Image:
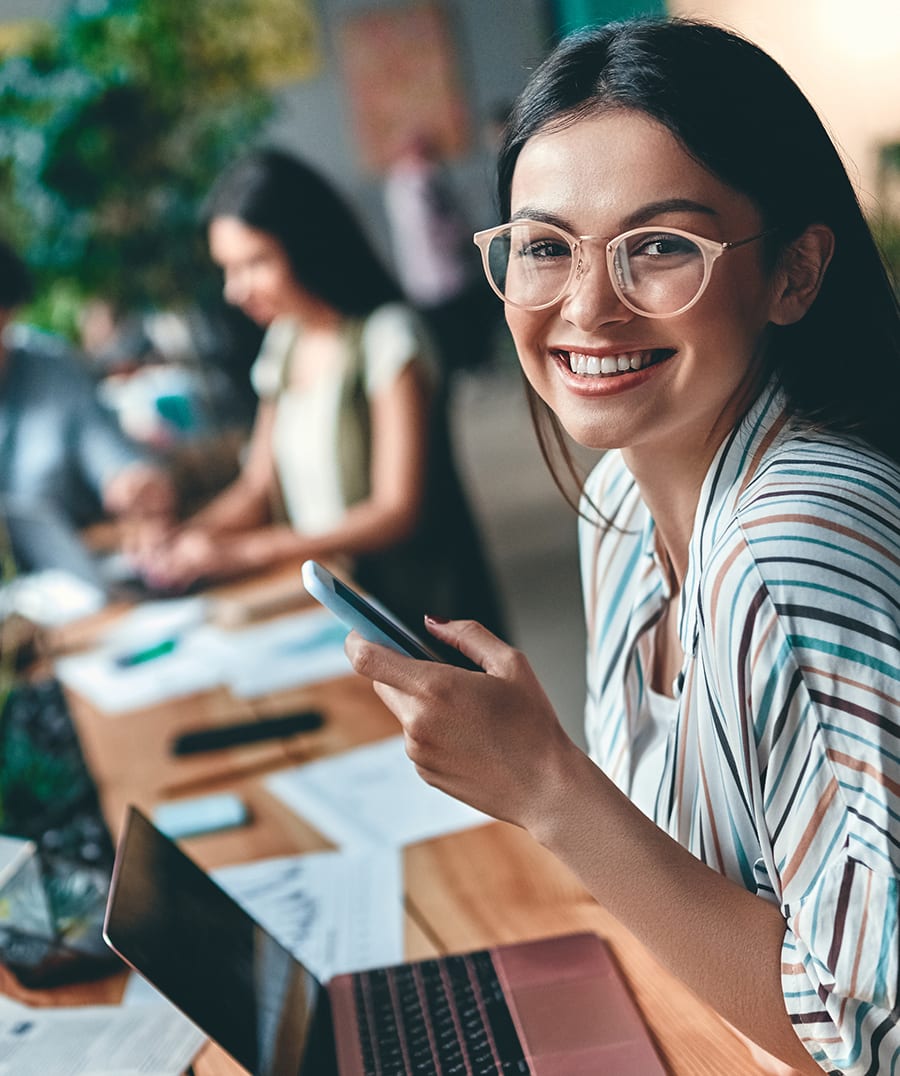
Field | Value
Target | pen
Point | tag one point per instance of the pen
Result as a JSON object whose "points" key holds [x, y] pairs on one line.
{"points": [[138, 657]]}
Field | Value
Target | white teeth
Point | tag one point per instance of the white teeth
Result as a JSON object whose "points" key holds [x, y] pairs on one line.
{"points": [[592, 365]]}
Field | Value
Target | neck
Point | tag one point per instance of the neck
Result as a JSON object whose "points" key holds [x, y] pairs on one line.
{"points": [[670, 484], [671, 497], [670, 476]]}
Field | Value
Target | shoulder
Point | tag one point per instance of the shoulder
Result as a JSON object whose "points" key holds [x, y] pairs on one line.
{"points": [[42, 363], [395, 326], [821, 499], [393, 336], [808, 568]]}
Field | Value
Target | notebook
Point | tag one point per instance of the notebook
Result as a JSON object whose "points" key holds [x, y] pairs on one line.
{"points": [[549, 1007]]}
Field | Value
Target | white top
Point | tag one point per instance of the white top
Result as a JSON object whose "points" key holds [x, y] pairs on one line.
{"points": [[650, 749], [306, 420]]}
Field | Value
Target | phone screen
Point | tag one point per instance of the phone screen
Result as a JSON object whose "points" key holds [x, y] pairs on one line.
{"points": [[402, 638], [374, 621]]}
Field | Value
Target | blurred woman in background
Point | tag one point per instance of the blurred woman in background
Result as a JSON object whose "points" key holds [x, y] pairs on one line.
{"points": [[349, 455]]}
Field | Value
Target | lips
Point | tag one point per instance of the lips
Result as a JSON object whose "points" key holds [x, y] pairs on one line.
{"points": [[612, 365]]}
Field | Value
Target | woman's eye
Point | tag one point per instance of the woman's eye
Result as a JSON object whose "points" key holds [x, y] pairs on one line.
{"points": [[662, 245], [545, 248]]}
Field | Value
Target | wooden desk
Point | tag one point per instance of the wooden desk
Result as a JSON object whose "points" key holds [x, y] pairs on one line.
{"points": [[465, 891]]}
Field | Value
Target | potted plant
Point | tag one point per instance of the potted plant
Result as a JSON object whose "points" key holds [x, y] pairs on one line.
{"points": [[117, 118], [55, 851]]}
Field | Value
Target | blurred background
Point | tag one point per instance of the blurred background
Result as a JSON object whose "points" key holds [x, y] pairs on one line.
{"points": [[116, 116]]}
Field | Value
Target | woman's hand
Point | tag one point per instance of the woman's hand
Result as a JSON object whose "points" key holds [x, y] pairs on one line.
{"points": [[184, 558], [490, 739]]}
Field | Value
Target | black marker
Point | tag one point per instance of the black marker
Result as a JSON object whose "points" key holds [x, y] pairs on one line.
{"points": [[267, 728]]}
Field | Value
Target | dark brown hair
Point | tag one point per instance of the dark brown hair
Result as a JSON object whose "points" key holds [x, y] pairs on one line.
{"points": [[738, 113]]}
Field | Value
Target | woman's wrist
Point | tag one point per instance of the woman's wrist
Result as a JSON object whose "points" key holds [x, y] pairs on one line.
{"points": [[565, 780]]}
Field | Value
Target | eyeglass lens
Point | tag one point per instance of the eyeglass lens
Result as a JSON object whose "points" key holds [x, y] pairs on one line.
{"points": [[658, 272]]}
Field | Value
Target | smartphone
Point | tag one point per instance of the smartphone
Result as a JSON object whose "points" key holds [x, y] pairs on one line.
{"points": [[373, 622]]}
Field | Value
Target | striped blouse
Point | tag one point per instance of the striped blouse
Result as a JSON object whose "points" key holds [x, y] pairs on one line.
{"points": [[782, 761]]}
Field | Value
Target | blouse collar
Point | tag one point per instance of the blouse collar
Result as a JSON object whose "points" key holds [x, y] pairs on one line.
{"points": [[729, 474]]}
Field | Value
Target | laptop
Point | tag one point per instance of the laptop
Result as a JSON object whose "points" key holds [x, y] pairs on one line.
{"points": [[42, 538], [549, 1007]]}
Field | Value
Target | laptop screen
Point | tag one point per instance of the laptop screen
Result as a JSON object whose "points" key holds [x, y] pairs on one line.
{"points": [[199, 948], [42, 538]]}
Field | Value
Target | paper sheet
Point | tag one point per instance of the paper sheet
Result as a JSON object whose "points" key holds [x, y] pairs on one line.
{"points": [[50, 598], [285, 653], [95, 1040], [336, 911], [194, 665], [371, 796]]}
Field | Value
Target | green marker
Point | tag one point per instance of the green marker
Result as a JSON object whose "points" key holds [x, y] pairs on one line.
{"points": [[138, 657]]}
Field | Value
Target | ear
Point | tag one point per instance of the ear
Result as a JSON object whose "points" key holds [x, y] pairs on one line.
{"points": [[800, 273]]}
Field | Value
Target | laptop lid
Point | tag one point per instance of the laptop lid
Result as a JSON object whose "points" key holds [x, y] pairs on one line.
{"points": [[174, 925]]}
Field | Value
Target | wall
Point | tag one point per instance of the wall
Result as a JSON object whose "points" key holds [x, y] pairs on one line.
{"points": [[499, 42], [845, 57]]}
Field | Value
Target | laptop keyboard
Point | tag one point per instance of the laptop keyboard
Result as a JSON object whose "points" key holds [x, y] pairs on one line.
{"points": [[444, 1017]]}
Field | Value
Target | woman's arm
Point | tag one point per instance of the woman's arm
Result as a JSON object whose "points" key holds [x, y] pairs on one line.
{"points": [[226, 538], [211, 542], [494, 741]]}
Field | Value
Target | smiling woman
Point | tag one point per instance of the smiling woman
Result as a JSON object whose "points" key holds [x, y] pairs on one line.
{"points": [[691, 286]]}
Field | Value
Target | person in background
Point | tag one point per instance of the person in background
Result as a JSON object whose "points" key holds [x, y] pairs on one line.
{"points": [[435, 262], [691, 285], [59, 448], [345, 436]]}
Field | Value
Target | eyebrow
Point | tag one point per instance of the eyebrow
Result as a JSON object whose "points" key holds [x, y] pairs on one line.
{"points": [[639, 216]]}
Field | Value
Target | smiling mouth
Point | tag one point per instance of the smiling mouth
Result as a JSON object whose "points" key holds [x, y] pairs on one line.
{"points": [[613, 365]]}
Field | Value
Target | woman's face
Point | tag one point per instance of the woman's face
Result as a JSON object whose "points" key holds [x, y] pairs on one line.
{"points": [[601, 176], [258, 275]]}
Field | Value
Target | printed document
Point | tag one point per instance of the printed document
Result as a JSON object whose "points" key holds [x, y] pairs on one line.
{"points": [[335, 911], [371, 796], [95, 1040]]}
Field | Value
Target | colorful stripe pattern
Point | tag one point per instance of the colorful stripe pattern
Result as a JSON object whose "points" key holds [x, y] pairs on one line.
{"points": [[782, 767]]}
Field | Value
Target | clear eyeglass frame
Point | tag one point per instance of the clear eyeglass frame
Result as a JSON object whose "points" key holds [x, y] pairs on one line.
{"points": [[710, 249]]}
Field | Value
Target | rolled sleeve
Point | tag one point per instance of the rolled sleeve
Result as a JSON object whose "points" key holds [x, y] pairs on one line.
{"points": [[830, 794], [840, 964]]}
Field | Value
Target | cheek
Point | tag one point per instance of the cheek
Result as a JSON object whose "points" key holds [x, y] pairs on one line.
{"points": [[524, 328]]}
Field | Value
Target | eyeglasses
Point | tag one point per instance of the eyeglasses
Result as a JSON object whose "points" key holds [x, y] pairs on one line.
{"points": [[656, 272]]}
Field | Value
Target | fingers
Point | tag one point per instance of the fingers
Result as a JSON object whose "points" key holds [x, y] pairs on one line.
{"points": [[477, 643], [386, 666]]}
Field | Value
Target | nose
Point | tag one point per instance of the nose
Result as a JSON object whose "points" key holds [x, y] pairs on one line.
{"points": [[590, 300]]}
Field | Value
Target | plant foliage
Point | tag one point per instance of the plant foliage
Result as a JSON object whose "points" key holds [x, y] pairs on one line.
{"points": [[115, 121]]}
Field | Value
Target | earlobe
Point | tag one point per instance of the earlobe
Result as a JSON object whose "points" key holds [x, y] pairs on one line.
{"points": [[800, 275]]}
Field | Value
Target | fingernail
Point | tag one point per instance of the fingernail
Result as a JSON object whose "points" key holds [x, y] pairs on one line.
{"points": [[436, 619]]}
